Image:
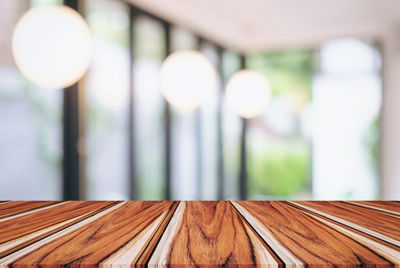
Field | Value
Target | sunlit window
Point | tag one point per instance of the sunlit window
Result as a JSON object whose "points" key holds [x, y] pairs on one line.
{"points": [[31, 125], [149, 108], [346, 105], [107, 85], [317, 138], [279, 148]]}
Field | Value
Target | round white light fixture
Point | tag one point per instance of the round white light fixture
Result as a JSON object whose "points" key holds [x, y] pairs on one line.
{"points": [[187, 78], [248, 93], [335, 60], [52, 46]]}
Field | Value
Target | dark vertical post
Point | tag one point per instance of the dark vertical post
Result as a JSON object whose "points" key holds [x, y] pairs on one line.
{"points": [[133, 193], [73, 172], [199, 143], [71, 159], [220, 144], [167, 124], [243, 149]]}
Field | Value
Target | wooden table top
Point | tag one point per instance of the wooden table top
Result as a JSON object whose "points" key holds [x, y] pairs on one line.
{"points": [[275, 233]]}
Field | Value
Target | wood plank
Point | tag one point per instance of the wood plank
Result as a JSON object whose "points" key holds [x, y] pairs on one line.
{"points": [[210, 233], [386, 250], [148, 251], [371, 222], [295, 236], [8, 260], [16, 207], [110, 237], [199, 233], [16, 233], [21, 226], [36, 210], [391, 207]]}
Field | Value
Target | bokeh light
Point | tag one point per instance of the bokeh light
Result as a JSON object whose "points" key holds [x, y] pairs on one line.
{"points": [[187, 79], [248, 93], [52, 46]]}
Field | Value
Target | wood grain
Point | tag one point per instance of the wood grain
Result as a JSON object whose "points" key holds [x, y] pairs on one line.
{"points": [[26, 224], [386, 250], [17, 232], [211, 233], [392, 208], [96, 242], [304, 238], [372, 222], [199, 233], [8, 209]]}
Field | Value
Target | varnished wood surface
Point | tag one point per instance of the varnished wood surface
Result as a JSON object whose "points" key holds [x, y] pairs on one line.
{"points": [[199, 233]]}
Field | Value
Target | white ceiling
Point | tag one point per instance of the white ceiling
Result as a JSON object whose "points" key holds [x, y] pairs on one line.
{"points": [[252, 25]]}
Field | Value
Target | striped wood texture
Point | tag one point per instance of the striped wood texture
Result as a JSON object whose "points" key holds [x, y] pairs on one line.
{"points": [[199, 233]]}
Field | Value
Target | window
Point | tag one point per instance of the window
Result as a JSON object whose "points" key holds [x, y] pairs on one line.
{"points": [[279, 143], [149, 108], [31, 124], [107, 85], [346, 105]]}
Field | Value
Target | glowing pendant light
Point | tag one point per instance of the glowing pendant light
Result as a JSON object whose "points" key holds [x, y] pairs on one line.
{"points": [[187, 79], [248, 93], [52, 46]]}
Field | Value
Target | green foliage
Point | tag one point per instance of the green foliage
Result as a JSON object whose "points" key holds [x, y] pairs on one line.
{"points": [[101, 26], [371, 141], [282, 170], [230, 64], [47, 118], [281, 167], [108, 20], [36, 3], [149, 39], [100, 118], [286, 71]]}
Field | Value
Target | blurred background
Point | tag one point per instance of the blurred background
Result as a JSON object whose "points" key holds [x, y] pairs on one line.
{"points": [[330, 130]]}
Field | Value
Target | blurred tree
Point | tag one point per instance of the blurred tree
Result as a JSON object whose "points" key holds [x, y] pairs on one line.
{"points": [[282, 171], [280, 160], [285, 70], [371, 142]]}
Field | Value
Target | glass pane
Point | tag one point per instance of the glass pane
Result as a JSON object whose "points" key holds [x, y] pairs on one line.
{"points": [[149, 108], [231, 125], [107, 85], [184, 154], [30, 124], [208, 134], [346, 104], [279, 147]]}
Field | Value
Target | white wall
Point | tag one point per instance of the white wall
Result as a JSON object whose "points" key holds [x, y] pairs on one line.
{"points": [[390, 137]]}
